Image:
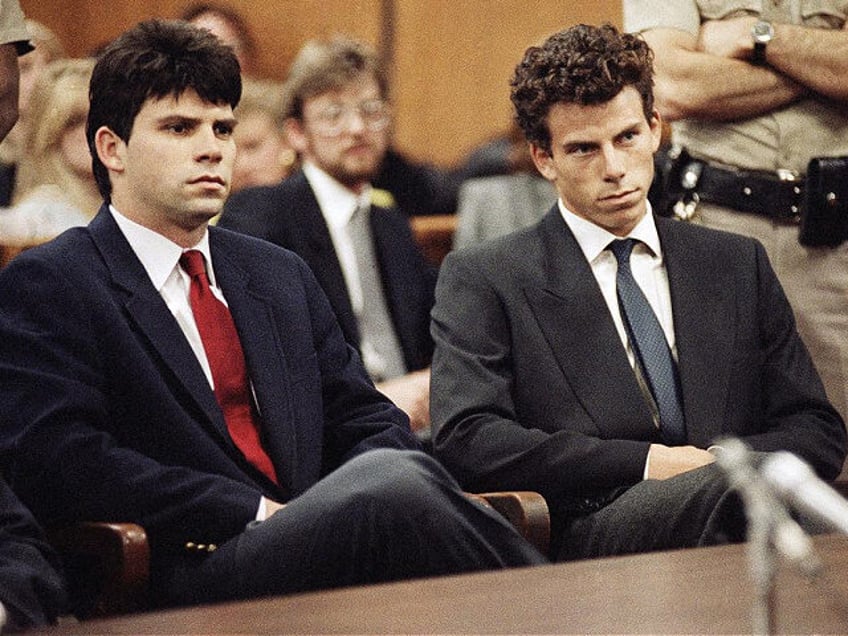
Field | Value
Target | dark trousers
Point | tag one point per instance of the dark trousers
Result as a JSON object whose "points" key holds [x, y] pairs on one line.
{"points": [[695, 508], [385, 515]]}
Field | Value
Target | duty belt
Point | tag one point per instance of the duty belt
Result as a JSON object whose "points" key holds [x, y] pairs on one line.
{"points": [[777, 195]]}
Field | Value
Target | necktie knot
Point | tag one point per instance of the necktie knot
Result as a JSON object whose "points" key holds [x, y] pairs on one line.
{"points": [[622, 248], [193, 263]]}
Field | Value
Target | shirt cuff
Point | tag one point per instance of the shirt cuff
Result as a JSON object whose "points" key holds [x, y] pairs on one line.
{"points": [[262, 513]]}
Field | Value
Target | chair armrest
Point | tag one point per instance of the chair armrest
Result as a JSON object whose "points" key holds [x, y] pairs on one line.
{"points": [[526, 511], [107, 565], [434, 235]]}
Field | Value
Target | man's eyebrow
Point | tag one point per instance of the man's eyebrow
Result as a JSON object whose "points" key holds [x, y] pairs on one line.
{"points": [[576, 143], [190, 119], [170, 118]]}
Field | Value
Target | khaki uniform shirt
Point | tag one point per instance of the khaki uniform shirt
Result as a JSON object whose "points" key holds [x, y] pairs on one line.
{"points": [[12, 26], [785, 138]]}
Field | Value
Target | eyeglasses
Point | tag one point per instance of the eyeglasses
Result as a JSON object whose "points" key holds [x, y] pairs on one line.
{"points": [[334, 119]]}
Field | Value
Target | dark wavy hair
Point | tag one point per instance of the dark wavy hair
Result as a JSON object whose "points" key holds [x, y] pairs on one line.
{"points": [[155, 59], [582, 65]]}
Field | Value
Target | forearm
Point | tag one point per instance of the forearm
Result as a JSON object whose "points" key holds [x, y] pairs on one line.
{"points": [[692, 84], [411, 394], [816, 58]]}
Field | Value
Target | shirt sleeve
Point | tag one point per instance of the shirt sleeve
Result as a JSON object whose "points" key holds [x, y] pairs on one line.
{"points": [[641, 15]]}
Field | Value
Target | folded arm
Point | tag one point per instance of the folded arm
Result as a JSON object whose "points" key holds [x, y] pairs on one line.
{"points": [[814, 58], [693, 83]]}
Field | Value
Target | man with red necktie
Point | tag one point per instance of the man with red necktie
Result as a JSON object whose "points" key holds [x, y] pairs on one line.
{"points": [[196, 381]]}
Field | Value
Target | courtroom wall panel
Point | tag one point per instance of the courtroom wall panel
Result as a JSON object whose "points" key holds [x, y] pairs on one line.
{"points": [[454, 59], [451, 59]]}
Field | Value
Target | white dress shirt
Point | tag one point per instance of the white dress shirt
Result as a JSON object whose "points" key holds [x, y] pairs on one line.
{"points": [[646, 263], [338, 204], [648, 267], [161, 260]]}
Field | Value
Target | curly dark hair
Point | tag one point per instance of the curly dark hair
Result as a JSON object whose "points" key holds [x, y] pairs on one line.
{"points": [[584, 65]]}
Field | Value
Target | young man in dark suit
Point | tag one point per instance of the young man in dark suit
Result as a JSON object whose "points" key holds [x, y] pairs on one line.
{"points": [[195, 380], [358, 244], [547, 376]]}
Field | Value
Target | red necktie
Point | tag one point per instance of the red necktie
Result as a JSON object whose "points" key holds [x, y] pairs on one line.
{"points": [[226, 360]]}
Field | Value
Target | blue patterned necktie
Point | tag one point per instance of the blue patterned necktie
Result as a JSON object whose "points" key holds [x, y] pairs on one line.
{"points": [[650, 346]]}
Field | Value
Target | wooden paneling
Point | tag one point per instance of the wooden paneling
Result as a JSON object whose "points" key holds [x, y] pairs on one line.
{"points": [[452, 58], [279, 26]]}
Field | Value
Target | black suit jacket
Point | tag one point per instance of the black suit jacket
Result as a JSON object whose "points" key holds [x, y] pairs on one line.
{"points": [[32, 590], [531, 388], [288, 215], [109, 416]]}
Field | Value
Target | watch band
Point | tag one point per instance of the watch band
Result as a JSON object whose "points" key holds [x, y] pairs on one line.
{"points": [[759, 55], [761, 33]]}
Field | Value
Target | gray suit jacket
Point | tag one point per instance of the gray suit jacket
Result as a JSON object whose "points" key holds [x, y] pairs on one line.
{"points": [[532, 389], [490, 207]]}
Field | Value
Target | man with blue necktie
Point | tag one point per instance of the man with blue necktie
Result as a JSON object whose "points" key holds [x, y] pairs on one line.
{"points": [[597, 356]]}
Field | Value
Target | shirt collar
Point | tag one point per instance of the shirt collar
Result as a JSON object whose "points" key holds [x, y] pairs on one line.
{"points": [[337, 202], [158, 255], [593, 239]]}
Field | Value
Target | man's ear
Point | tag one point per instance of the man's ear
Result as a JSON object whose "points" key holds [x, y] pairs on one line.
{"points": [[111, 149], [296, 135], [543, 161], [656, 124]]}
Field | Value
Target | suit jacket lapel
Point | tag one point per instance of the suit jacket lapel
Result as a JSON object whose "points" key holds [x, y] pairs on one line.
{"points": [[702, 303], [257, 328], [154, 320], [576, 323]]}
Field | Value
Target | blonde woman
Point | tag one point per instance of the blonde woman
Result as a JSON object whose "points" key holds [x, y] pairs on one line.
{"points": [[55, 187]]}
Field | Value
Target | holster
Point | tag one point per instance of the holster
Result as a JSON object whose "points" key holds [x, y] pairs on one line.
{"points": [[824, 217]]}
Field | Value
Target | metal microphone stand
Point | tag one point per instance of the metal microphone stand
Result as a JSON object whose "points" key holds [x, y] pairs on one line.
{"points": [[771, 531]]}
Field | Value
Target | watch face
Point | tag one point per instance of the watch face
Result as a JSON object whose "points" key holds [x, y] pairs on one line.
{"points": [[762, 32]]}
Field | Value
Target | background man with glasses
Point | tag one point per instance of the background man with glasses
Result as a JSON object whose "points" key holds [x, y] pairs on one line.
{"points": [[363, 254]]}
